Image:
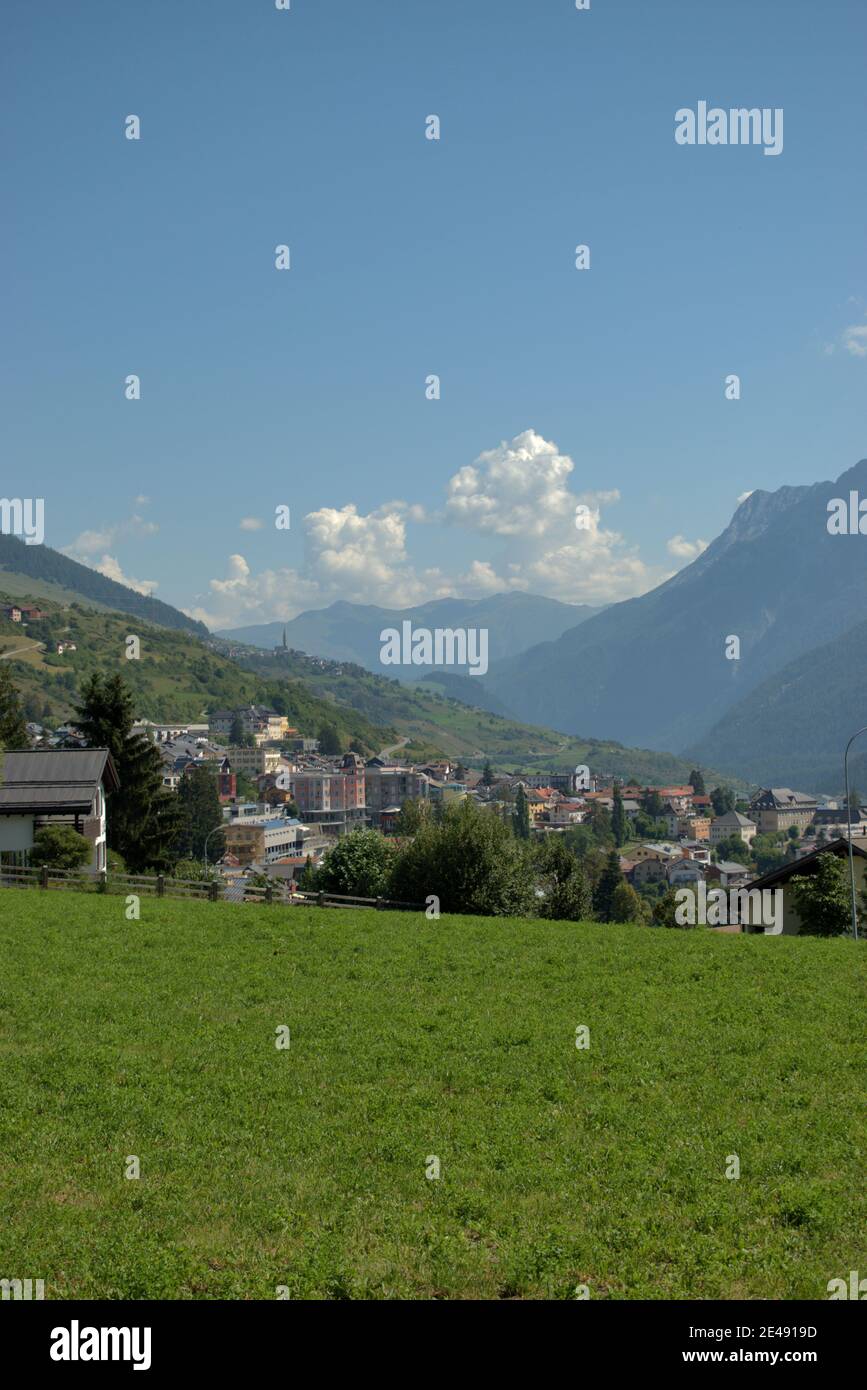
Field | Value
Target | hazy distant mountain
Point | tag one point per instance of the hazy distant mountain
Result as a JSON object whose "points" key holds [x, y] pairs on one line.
{"points": [[792, 729], [350, 631], [653, 670], [49, 566]]}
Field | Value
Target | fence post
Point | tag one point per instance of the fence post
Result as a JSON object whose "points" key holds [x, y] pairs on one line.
{"points": [[269, 891], [161, 886], [212, 891], [43, 876], [379, 903], [320, 900]]}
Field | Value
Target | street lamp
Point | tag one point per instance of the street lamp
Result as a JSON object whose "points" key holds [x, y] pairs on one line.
{"points": [[207, 838], [849, 824]]}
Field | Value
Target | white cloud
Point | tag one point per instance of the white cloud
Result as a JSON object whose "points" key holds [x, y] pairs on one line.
{"points": [[109, 566], [682, 549], [251, 523], [744, 495], [516, 497], [855, 339], [90, 543]]}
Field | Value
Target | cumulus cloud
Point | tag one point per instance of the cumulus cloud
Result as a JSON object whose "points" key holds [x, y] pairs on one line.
{"points": [[90, 543], [251, 523], [855, 339], [109, 566], [522, 493], [518, 500], [682, 549], [350, 555]]}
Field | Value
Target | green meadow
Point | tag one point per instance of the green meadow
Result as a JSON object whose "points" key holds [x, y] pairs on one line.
{"points": [[305, 1168]]}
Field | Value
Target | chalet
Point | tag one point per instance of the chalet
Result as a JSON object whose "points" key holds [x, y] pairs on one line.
{"points": [[780, 879], [43, 787]]}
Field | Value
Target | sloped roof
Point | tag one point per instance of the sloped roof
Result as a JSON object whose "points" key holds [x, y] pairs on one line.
{"points": [[54, 779], [807, 863]]}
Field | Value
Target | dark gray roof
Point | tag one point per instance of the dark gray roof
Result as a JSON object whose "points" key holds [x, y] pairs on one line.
{"points": [[54, 779]]}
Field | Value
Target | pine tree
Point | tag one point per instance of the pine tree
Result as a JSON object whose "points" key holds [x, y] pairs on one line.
{"points": [[521, 815], [199, 805], [329, 740], [13, 733], [696, 781], [603, 897], [618, 817], [143, 816], [487, 774]]}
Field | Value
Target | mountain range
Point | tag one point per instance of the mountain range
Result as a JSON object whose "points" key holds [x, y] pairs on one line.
{"points": [[351, 631], [752, 659], [655, 670], [40, 571]]}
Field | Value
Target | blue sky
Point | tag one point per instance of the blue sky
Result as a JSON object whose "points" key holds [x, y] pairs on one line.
{"points": [[412, 257]]}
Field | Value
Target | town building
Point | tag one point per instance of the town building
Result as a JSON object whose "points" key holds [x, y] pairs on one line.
{"points": [[780, 808], [43, 787], [780, 879], [391, 786], [253, 840], [332, 798], [732, 823]]}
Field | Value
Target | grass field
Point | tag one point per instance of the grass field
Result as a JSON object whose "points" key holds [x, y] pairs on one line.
{"points": [[306, 1167]]}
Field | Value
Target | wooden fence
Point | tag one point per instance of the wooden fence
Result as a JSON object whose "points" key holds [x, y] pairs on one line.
{"points": [[205, 890]]}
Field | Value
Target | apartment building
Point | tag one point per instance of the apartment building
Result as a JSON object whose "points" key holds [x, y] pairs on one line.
{"points": [[332, 798], [392, 786], [263, 841], [254, 761], [779, 808]]}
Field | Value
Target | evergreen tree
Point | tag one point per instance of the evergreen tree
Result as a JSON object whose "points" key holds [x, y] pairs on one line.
{"points": [[618, 817], [603, 897], [13, 734], [627, 905], [142, 815], [696, 781], [653, 805], [329, 740], [236, 732], [521, 815], [567, 892], [199, 806], [487, 774], [722, 800], [664, 909]]}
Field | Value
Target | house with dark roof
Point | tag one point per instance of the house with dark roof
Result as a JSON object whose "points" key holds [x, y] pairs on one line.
{"points": [[780, 879], [55, 786], [779, 808]]}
